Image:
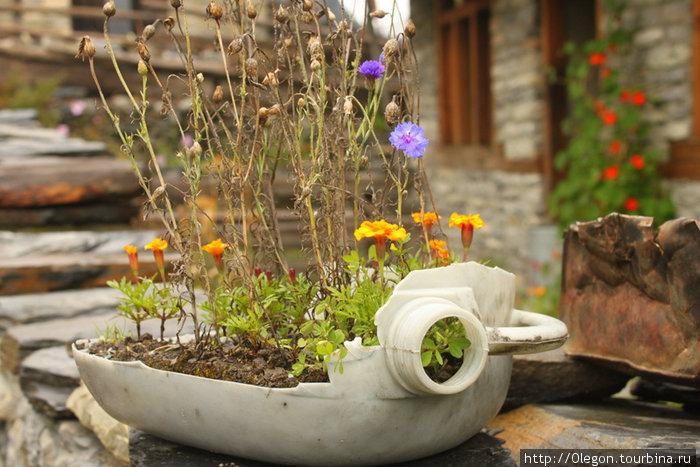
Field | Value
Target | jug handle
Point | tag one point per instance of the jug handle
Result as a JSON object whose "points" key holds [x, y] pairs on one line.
{"points": [[530, 333]]}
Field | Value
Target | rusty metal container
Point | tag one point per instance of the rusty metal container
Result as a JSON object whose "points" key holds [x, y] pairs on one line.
{"points": [[631, 295]]}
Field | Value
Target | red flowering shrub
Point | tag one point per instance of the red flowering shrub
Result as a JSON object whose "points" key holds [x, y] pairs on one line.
{"points": [[607, 165]]}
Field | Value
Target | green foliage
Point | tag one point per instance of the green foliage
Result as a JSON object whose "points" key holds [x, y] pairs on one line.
{"points": [[444, 337], [18, 91], [608, 164]]}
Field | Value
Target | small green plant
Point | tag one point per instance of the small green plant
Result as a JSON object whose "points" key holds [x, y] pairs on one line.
{"points": [[444, 337], [607, 164]]}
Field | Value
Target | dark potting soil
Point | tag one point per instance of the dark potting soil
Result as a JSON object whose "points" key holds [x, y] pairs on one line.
{"points": [[239, 362]]}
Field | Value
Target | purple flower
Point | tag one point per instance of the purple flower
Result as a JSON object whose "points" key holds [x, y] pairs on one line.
{"points": [[409, 137], [371, 69]]}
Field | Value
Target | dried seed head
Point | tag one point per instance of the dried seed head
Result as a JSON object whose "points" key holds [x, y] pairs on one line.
{"points": [[306, 5], [301, 102], [143, 51], [307, 17], [251, 67], [331, 16], [392, 112], [200, 78], [263, 113], [215, 11], [250, 10], [175, 3], [274, 110], [347, 106], [142, 68], [218, 94], [391, 49], [364, 162], [169, 23], [378, 14], [315, 65], [271, 80], [235, 46], [410, 29], [282, 14], [86, 49], [195, 150], [288, 42], [148, 32], [109, 9], [315, 48]]}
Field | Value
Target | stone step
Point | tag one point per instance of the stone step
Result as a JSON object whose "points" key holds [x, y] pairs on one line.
{"points": [[18, 115], [607, 424], [50, 181], [50, 261]]}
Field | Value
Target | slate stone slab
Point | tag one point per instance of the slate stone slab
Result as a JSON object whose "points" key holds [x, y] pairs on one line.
{"points": [[119, 211], [146, 450], [608, 424], [553, 376], [17, 115], [663, 391], [47, 378]]}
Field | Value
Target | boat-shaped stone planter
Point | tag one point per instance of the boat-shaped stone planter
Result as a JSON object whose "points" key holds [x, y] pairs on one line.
{"points": [[382, 408]]}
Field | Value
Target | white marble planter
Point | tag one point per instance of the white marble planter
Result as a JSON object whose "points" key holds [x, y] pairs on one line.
{"points": [[383, 407]]}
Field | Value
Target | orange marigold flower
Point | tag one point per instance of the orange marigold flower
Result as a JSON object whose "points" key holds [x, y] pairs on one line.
{"points": [[597, 58], [133, 253], [611, 173], [460, 220], [637, 161], [615, 147], [631, 204], [609, 117], [157, 244], [638, 98], [444, 254], [625, 96], [428, 218], [380, 228], [216, 247], [437, 244]]}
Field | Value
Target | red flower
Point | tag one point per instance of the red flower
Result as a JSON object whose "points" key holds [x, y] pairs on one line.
{"points": [[611, 173], [637, 162], [609, 117], [597, 58], [625, 96], [615, 147], [631, 204], [605, 73], [599, 107], [638, 98]]}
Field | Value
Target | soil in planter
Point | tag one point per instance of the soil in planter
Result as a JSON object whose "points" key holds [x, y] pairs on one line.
{"points": [[231, 362]]}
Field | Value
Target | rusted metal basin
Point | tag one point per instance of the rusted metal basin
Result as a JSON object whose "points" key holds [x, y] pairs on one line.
{"points": [[631, 295]]}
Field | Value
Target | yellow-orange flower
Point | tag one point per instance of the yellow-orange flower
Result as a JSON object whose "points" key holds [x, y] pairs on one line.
{"points": [[216, 247], [444, 254], [380, 228], [428, 218], [157, 244], [133, 253], [131, 249], [437, 244], [461, 220]]}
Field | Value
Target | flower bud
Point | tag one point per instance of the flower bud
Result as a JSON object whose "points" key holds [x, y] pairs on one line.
{"points": [[109, 9], [392, 112], [143, 51], [251, 67], [142, 68], [347, 106], [176, 3], [250, 10], [148, 32], [215, 11], [235, 46], [378, 14], [391, 49], [282, 15], [410, 29], [86, 49], [218, 94], [307, 17], [315, 65]]}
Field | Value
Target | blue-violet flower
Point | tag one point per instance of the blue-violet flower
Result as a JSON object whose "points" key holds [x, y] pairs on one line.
{"points": [[372, 69], [409, 137]]}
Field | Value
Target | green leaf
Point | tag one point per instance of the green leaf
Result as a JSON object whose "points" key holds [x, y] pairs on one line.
{"points": [[428, 343], [438, 357], [426, 357], [324, 348]]}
